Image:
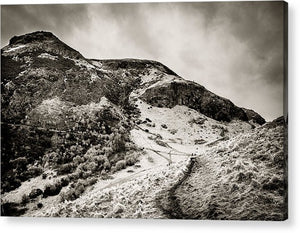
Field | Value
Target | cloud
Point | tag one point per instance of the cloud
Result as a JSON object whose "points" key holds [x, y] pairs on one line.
{"points": [[233, 49], [21, 19]]}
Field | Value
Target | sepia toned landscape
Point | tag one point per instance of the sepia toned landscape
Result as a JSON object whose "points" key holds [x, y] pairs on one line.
{"points": [[130, 138]]}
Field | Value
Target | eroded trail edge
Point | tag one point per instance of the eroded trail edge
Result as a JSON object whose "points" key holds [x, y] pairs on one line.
{"points": [[168, 201]]}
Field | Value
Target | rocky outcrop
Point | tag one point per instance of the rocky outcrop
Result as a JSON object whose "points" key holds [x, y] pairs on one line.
{"points": [[46, 41], [134, 64], [193, 96], [254, 116]]}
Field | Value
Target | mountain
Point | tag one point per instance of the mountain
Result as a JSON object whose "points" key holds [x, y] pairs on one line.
{"points": [[40, 66], [74, 129]]}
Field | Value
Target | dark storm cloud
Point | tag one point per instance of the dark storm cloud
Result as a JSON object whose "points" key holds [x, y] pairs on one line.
{"points": [[260, 26], [233, 49]]}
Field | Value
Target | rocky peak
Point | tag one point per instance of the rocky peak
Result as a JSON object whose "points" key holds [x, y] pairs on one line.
{"points": [[41, 40], [38, 36]]}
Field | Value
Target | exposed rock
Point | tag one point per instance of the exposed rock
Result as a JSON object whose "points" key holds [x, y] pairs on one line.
{"points": [[252, 115], [193, 96], [46, 41]]}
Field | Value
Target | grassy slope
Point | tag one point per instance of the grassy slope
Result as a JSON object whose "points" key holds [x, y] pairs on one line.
{"points": [[243, 178]]}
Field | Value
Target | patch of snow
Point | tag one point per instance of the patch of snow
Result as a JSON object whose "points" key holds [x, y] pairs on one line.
{"points": [[47, 56], [82, 63], [14, 48], [97, 64], [94, 77]]}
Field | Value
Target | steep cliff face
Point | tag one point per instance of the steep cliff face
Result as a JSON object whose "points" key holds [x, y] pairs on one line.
{"points": [[196, 97]]}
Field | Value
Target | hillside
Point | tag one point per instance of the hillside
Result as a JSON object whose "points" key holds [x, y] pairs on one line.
{"points": [[79, 131]]}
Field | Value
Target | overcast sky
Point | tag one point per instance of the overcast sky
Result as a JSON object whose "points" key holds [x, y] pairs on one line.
{"points": [[233, 49]]}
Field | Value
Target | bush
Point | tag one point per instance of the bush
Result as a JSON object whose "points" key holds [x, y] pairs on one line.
{"points": [[12, 209], [35, 193], [164, 126], [173, 131], [131, 159], [92, 181], [120, 165], [65, 181], [34, 171], [65, 169], [25, 199], [79, 189], [52, 190], [76, 191]]}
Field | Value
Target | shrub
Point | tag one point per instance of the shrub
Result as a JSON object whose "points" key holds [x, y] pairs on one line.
{"points": [[173, 131], [65, 169], [79, 189], [35, 193], [65, 196], [12, 209], [164, 126], [25, 199], [65, 181], [91, 166], [92, 181], [130, 159], [76, 191], [120, 165], [34, 171], [52, 190], [106, 165], [77, 160]]}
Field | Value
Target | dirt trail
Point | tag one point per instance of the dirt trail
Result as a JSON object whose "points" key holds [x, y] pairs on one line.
{"points": [[176, 202], [173, 209]]}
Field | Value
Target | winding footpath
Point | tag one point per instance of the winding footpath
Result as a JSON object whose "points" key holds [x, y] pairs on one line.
{"points": [[187, 198], [173, 210]]}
